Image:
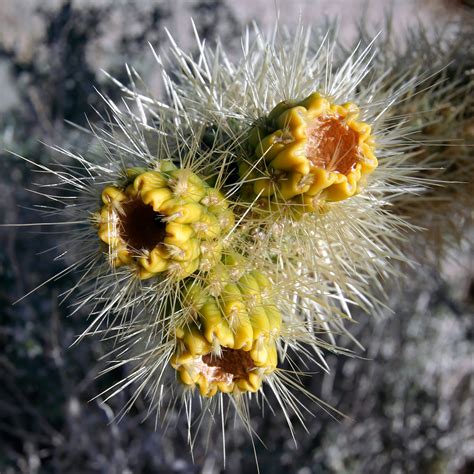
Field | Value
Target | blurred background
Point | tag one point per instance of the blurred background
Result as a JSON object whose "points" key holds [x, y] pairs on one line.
{"points": [[408, 396]]}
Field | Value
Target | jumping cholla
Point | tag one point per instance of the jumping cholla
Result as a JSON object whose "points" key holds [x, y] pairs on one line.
{"points": [[226, 251]]}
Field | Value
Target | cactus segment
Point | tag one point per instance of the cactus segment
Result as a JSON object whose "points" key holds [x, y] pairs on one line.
{"points": [[167, 222]]}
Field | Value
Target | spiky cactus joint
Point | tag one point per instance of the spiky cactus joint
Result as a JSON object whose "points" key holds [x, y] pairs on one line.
{"points": [[164, 221], [309, 151], [231, 342]]}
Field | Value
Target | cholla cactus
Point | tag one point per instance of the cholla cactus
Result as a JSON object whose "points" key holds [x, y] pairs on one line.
{"points": [[223, 234], [310, 246]]}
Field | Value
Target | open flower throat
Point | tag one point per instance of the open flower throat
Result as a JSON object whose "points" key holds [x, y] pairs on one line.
{"points": [[140, 226], [230, 344], [309, 151], [332, 145], [167, 221], [230, 366]]}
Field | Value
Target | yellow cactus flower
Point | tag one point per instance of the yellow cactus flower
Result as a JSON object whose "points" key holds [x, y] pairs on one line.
{"points": [[231, 344], [164, 221], [309, 151]]}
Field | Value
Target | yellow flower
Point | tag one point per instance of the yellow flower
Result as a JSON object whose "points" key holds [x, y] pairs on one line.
{"points": [[308, 152], [231, 343], [164, 221]]}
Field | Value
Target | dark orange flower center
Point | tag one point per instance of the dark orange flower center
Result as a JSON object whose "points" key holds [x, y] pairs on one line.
{"points": [[233, 364], [332, 145]]}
